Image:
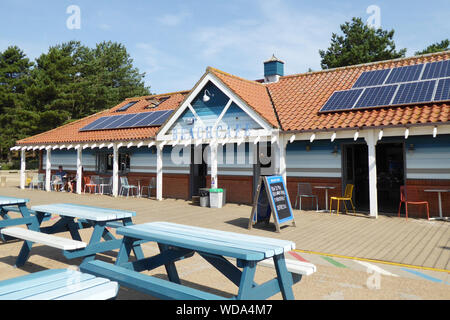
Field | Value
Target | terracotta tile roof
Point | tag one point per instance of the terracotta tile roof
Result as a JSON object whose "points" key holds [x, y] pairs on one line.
{"points": [[298, 99], [253, 93], [293, 102], [70, 133]]}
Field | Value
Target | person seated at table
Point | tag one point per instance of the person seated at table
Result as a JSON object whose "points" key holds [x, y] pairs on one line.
{"points": [[63, 176], [73, 182]]}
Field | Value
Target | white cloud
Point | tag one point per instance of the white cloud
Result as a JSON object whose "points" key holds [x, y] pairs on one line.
{"points": [[173, 20], [293, 36]]}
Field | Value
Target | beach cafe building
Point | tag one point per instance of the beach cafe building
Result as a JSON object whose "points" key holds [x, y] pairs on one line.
{"points": [[377, 126]]}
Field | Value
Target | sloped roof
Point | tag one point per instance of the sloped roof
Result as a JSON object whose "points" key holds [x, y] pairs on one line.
{"points": [[291, 104], [253, 93], [70, 133], [298, 99]]}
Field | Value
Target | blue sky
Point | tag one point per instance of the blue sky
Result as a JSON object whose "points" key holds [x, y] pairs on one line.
{"points": [[174, 41]]}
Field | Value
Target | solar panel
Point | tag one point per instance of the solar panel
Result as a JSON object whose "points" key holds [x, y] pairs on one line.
{"points": [[127, 106], [149, 119], [93, 124], [440, 69], [371, 78], [159, 121], [405, 74], [376, 96], [105, 123], [130, 121], [443, 90], [421, 91], [342, 100]]}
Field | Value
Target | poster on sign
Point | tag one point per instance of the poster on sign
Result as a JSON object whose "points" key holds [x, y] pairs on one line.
{"points": [[271, 199]]}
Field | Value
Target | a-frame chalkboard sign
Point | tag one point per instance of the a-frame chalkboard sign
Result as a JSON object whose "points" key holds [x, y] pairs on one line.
{"points": [[271, 198]]}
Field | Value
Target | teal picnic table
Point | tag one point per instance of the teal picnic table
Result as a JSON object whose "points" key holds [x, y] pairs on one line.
{"points": [[221, 249], [17, 205], [73, 217]]}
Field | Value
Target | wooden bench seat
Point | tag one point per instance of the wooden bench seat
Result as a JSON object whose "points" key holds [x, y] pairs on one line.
{"points": [[43, 238], [153, 286], [58, 284]]}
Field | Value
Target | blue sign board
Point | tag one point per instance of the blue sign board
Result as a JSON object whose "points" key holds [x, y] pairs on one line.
{"points": [[272, 197]]}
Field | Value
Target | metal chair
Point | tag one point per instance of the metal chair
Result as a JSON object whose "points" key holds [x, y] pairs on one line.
{"points": [[305, 190], [124, 185], [404, 199], [56, 181], [347, 197], [151, 186], [106, 185], [38, 181]]}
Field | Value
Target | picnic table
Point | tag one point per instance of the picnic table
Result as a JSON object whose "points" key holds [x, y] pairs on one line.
{"points": [[73, 217], [18, 205], [177, 242]]}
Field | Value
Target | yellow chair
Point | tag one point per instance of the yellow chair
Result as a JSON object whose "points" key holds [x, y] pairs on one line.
{"points": [[347, 197]]}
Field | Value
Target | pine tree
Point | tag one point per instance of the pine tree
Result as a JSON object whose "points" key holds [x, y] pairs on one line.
{"points": [[359, 44], [444, 45], [16, 119]]}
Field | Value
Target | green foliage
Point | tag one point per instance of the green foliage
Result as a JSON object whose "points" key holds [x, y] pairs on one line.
{"points": [[16, 119], [359, 44], [444, 45], [69, 82]]}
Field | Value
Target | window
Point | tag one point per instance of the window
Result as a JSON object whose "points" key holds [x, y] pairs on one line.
{"points": [[105, 162], [127, 106], [155, 102]]}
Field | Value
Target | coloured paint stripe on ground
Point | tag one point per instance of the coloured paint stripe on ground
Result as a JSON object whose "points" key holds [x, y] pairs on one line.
{"points": [[297, 256], [334, 262], [376, 268], [372, 260], [423, 275]]}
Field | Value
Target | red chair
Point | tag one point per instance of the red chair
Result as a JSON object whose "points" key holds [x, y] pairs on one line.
{"points": [[404, 199], [89, 184]]}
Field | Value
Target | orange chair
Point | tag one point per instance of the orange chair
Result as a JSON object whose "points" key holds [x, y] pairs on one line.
{"points": [[347, 197], [404, 199], [89, 184]]}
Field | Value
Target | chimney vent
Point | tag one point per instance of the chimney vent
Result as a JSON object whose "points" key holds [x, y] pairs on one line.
{"points": [[273, 69]]}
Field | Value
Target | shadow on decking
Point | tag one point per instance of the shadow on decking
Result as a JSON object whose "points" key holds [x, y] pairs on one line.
{"points": [[243, 223]]}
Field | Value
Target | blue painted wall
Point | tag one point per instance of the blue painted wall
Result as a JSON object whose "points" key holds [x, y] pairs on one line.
{"points": [[209, 112]]}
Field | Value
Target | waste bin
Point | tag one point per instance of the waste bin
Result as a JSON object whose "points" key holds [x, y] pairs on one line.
{"points": [[204, 198], [215, 198]]}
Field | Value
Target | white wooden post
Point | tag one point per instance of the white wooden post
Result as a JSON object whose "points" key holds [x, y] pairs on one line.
{"points": [[115, 170], [159, 172], [48, 169], [79, 169], [22, 168], [213, 155], [282, 142], [371, 140]]}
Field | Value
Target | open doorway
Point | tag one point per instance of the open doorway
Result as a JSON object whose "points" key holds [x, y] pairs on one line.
{"points": [[390, 174], [264, 165], [198, 170]]}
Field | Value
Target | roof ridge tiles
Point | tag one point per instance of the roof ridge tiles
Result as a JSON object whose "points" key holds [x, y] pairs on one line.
{"points": [[212, 69], [157, 95]]}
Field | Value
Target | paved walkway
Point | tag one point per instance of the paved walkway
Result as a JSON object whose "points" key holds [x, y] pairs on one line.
{"points": [[415, 242]]}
